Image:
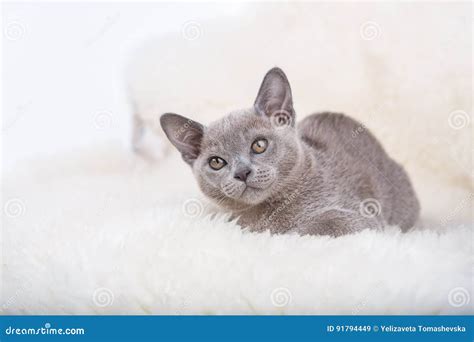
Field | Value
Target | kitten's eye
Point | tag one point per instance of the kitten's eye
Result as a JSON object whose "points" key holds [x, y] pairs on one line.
{"points": [[260, 145], [217, 163]]}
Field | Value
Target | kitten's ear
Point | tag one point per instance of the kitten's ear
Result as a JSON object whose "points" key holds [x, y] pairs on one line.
{"points": [[185, 134], [274, 97]]}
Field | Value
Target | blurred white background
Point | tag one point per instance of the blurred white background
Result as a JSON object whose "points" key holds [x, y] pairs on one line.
{"points": [[403, 69], [63, 66]]}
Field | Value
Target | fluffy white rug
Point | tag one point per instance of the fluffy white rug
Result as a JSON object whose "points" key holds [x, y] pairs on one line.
{"points": [[95, 234]]}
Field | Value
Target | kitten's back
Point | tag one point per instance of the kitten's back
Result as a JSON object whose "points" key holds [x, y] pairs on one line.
{"points": [[356, 162]]}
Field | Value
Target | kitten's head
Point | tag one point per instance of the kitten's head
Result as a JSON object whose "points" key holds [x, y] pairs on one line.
{"points": [[247, 156]]}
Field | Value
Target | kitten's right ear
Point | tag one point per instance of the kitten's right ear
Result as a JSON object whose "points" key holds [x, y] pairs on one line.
{"points": [[274, 97], [185, 134]]}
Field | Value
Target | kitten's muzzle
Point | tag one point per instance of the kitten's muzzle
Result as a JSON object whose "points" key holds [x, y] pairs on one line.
{"points": [[242, 174]]}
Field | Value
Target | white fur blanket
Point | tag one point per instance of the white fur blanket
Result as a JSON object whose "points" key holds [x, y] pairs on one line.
{"points": [[95, 234]]}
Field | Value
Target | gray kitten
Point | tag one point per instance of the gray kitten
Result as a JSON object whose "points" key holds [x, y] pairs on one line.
{"points": [[328, 175]]}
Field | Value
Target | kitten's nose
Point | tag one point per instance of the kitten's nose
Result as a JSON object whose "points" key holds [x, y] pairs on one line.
{"points": [[242, 174]]}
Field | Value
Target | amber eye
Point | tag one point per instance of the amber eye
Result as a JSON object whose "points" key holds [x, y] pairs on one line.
{"points": [[217, 163], [260, 145]]}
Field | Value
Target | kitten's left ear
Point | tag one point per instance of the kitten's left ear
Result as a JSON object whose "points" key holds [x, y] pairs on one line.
{"points": [[274, 97]]}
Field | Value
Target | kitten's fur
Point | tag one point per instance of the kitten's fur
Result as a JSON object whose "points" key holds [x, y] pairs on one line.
{"points": [[327, 175]]}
